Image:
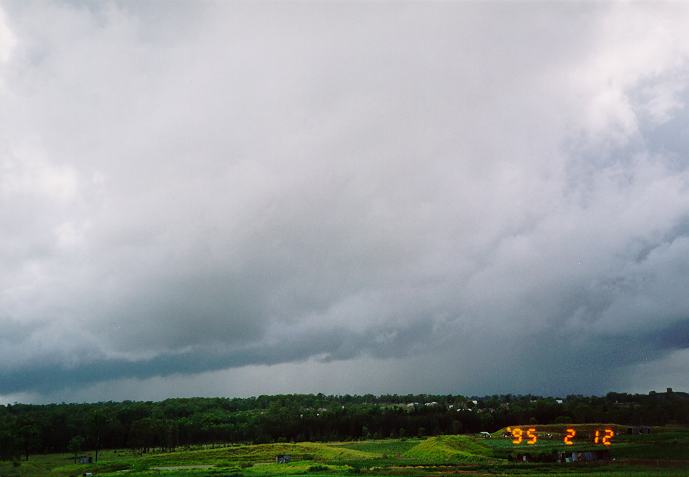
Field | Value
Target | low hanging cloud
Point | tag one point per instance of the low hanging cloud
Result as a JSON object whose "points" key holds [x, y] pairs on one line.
{"points": [[493, 197]]}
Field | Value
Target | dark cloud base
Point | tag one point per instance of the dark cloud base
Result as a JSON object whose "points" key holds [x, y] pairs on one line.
{"points": [[465, 196]]}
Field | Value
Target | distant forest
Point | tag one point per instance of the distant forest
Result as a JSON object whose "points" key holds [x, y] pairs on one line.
{"points": [[30, 429]]}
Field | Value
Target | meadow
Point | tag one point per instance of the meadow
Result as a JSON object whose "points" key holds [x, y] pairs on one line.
{"points": [[665, 451]]}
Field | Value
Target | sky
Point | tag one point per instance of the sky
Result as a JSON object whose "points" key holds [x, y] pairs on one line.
{"points": [[242, 198]]}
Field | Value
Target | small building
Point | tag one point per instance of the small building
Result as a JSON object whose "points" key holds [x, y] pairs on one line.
{"points": [[638, 430], [563, 457], [534, 457], [283, 459], [586, 456]]}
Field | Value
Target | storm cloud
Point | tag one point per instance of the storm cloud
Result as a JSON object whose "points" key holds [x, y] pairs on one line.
{"points": [[196, 197]]}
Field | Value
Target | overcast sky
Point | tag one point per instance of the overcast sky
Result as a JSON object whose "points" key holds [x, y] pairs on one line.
{"points": [[231, 198]]}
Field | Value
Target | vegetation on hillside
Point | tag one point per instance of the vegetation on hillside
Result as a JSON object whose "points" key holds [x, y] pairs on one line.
{"points": [[174, 423], [661, 453]]}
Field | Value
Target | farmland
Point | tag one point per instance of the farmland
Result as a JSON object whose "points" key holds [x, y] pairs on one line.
{"points": [[663, 451]]}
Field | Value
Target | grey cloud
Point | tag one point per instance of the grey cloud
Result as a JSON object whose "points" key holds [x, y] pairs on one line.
{"points": [[187, 188], [45, 377]]}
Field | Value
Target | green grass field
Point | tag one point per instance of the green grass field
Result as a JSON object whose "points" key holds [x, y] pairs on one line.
{"points": [[664, 452]]}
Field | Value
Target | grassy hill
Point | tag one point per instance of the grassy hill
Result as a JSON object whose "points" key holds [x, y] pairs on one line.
{"points": [[444, 449], [663, 452]]}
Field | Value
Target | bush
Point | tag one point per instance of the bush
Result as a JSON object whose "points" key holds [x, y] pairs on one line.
{"points": [[317, 468], [113, 467]]}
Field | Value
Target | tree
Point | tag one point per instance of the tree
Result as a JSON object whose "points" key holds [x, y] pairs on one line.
{"points": [[74, 445], [28, 434], [9, 448], [97, 420]]}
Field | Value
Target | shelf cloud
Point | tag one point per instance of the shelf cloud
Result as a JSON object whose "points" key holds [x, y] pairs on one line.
{"points": [[237, 198]]}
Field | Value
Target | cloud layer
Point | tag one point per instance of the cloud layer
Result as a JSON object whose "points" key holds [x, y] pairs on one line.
{"points": [[494, 197]]}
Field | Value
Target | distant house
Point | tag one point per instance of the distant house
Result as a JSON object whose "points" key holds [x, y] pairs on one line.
{"points": [[639, 430], [562, 457], [588, 456], [283, 459]]}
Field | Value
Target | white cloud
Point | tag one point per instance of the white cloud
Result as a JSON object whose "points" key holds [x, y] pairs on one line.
{"points": [[321, 186], [7, 39]]}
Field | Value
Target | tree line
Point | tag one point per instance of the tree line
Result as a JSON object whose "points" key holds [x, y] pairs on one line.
{"points": [[27, 429]]}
